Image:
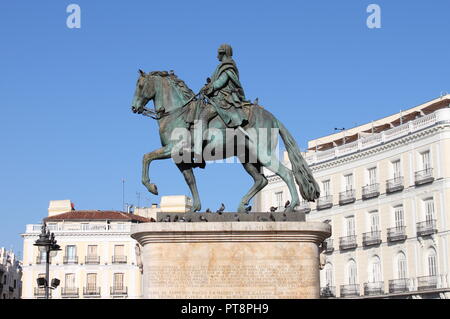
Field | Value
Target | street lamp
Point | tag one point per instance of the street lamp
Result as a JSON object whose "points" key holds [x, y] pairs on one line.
{"points": [[47, 244]]}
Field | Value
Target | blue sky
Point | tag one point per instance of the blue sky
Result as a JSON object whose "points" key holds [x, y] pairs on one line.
{"points": [[65, 94]]}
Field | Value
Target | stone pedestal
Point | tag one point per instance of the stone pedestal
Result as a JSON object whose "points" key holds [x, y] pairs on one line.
{"points": [[231, 259]]}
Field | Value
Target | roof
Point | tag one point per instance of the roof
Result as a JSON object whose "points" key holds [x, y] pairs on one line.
{"points": [[97, 215]]}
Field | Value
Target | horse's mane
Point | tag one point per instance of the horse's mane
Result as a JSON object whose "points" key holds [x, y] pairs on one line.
{"points": [[187, 92]]}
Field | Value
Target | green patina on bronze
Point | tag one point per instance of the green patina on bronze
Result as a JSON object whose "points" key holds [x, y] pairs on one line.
{"points": [[176, 106]]}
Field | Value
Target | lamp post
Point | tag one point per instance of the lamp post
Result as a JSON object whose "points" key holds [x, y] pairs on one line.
{"points": [[47, 244]]}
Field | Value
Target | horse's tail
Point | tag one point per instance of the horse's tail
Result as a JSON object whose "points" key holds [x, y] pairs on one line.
{"points": [[303, 176]]}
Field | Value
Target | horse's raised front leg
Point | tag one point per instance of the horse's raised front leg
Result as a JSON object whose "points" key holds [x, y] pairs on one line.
{"points": [[260, 183], [190, 180], [161, 153]]}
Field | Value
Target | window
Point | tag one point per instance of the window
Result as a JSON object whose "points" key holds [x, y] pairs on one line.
{"points": [[350, 225], [401, 266], [351, 272], [71, 252], [70, 281], [119, 250], [429, 209], [374, 221], [348, 182], [396, 169], [326, 188], [279, 200], [85, 226], [375, 270], [426, 162], [118, 281], [92, 251], [398, 216], [91, 282], [372, 175], [432, 267]]}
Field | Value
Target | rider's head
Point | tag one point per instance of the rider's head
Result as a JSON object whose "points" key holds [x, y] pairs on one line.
{"points": [[224, 50]]}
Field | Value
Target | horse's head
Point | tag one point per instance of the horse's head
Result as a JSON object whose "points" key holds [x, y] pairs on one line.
{"points": [[145, 91]]}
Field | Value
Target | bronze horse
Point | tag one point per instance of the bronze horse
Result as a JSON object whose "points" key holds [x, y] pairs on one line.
{"points": [[171, 98]]}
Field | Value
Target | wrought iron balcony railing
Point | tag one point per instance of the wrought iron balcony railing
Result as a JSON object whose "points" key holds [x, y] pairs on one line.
{"points": [[330, 247], [396, 233], [69, 292], [372, 238], [399, 285], [424, 176], [347, 197], [427, 282], [91, 291], [329, 291], [325, 202], [119, 259], [70, 259], [40, 292], [92, 260], [304, 207], [394, 185], [370, 191], [427, 227], [347, 242], [373, 288], [350, 290], [119, 291]]}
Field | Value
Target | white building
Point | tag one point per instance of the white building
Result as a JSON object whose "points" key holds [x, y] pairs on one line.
{"points": [[385, 189], [10, 275]]}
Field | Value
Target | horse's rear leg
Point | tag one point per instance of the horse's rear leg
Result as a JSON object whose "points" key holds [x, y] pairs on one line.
{"points": [[190, 180], [161, 153], [287, 176], [260, 183]]}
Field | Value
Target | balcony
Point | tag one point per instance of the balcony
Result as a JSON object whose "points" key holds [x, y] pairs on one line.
{"points": [[372, 238], [119, 291], [371, 191], [347, 197], [426, 228], [373, 288], [426, 282], [40, 260], [325, 202], [327, 292], [92, 260], [424, 177], [69, 292], [40, 293], [396, 233], [394, 185], [119, 259], [350, 290], [329, 245], [70, 260], [304, 207], [398, 285], [91, 292], [348, 242]]}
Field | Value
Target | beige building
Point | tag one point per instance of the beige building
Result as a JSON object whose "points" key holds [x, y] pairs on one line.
{"points": [[10, 275], [97, 259], [385, 189]]}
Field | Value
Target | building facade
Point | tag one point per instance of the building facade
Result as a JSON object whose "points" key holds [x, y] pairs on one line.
{"points": [[98, 258], [385, 189], [10, 275]]}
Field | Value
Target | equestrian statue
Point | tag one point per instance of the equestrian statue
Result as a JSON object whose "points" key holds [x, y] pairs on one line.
{"points": [[215, 124]]}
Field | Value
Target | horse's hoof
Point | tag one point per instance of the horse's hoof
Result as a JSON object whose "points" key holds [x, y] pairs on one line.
{"points": [[153, 189]]}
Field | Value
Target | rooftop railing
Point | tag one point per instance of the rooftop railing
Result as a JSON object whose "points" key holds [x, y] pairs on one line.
{"points": [[79, 227]]}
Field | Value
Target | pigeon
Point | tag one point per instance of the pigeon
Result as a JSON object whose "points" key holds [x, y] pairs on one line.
{"points": [[284, 217], [221, 209], [261, 219], [167, 219], [287, 204], [208, 210], [203, 219], [182, 220], [152, 220], [236, 218], [272, 218], [176, 218], [273, 209], [248, 209]]}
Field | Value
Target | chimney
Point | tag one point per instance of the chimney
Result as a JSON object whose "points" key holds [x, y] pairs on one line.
{"points": [[57, 207]]}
